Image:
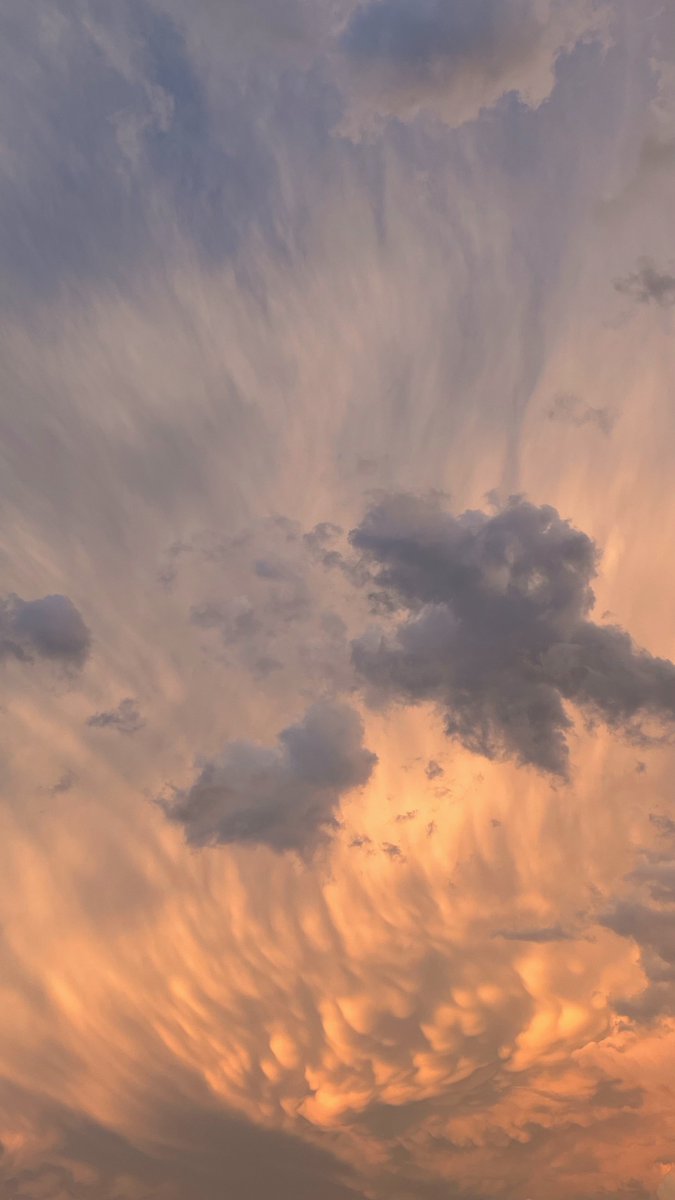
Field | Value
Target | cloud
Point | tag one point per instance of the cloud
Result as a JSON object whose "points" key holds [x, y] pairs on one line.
{"points": [[552, 933], [459, 57], [126, 718], [572, 410], [645, 913], [493, 626], [141, 164], [664, 824], [266, 592], [666, 1189], [649, 285], [283, 797], [64, 783], [91, 1162], [238, 314], [51, 628], [651, 925]]}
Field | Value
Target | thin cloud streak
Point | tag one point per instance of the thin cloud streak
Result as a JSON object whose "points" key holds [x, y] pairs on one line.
{"points": [[267, 269]]}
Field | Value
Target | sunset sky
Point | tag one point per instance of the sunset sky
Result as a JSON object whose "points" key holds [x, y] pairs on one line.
{"points": [[337, 638]]}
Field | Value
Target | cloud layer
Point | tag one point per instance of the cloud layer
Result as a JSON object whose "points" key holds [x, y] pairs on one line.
{"points": [[265, 266]]}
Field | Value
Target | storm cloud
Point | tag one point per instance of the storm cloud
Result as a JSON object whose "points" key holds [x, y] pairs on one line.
{"points": [[283, 796], [494, 626]]}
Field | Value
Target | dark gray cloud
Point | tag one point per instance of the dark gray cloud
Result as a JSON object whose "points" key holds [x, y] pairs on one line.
{"points": [[50, 628], [664, 825], [284, 796], [649, 285], [613, 1093], [457, 57], [126, 718], [646, 914], [550, 933], [649, 921], [64, 783], [203, 1145], [572, 410], [433, 770], [493, 626], [359, 842]]}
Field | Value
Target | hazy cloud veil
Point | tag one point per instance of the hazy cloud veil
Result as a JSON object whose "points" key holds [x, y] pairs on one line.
{"points": [[337, 665]]}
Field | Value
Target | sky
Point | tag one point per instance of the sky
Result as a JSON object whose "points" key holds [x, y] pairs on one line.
{"points": [[337, 662]]}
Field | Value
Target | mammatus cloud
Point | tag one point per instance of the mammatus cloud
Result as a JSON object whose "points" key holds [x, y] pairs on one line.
{"points": [[125, 718], [649, 285], [51, 628], [458, 57], [493, 626], [366, 1007], [215, 309], [283, 797]]}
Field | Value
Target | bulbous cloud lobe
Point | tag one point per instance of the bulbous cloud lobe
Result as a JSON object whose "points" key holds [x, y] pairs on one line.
{"points": [[283, 797], [493, 625]]}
